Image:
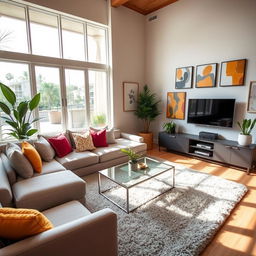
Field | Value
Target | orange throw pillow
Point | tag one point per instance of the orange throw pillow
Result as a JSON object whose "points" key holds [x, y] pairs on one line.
{"points": [[20, 223], [33, 156]]}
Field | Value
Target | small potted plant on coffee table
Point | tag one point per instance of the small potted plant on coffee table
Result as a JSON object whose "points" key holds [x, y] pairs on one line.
{"points": [[245, 137], [133, 158]]}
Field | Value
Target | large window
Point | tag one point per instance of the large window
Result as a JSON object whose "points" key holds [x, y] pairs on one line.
{"points": [[66, 61]]}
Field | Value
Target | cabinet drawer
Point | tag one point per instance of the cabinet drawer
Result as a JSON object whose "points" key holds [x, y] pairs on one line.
{"points": [[240, 157], [173, 142]]}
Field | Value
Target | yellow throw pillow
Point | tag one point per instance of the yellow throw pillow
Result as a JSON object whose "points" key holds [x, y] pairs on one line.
{"points": [[20, 223], [32, 155], [83, 142]]}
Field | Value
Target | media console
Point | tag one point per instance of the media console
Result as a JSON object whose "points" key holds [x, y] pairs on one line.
{"points": [[226, 152]]}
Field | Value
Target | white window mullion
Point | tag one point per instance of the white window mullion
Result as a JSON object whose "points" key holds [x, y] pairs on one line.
{"points": [[63, 96], [60, 36], [28, 30], [87, 97]]}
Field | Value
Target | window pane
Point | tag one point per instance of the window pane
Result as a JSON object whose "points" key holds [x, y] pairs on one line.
{"points": [[13, 31], [48, 84], [16, 76], [75, 87], [44, 33], [73, 39], [98, 98], [96, 44]]}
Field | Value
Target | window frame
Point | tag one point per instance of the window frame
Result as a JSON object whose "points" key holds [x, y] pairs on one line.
{"points": [[35, 60]]}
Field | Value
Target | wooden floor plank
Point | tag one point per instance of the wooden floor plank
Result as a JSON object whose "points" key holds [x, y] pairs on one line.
{"points": [[237, 237]]}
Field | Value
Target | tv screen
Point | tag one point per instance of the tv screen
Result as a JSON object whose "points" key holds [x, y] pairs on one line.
{"points": [[217, 112]]}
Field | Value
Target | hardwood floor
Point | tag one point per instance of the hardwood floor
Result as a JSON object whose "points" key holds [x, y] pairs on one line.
{"points": [[237, 237]]}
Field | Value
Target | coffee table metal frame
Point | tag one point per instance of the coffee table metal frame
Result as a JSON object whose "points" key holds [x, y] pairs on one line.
{"points": [[127, 209]]}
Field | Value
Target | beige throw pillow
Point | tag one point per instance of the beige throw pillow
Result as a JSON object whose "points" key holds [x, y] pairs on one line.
{"points": [[44, 149], [83, 142]]}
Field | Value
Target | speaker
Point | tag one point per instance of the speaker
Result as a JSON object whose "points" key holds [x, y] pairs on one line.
{"points": [[208, 136]]}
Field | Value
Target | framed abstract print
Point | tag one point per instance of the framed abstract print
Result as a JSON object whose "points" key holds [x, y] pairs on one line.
{"points": [[184, 78], [206, 75], [176, 102], [130, 96], [232, 73], [251, 106]]}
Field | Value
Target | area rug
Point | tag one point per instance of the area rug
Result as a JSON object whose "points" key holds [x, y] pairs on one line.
{"points": [[179, 222]]}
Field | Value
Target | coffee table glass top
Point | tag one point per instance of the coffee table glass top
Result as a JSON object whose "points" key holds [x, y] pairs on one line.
{"points": [[122, 174]]}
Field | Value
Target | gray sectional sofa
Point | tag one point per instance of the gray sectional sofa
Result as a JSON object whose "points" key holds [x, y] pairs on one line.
{"points": [[57, 192]]}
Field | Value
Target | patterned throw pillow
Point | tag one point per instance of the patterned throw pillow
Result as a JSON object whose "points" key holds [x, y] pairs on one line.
{"points": [[83, 142]]}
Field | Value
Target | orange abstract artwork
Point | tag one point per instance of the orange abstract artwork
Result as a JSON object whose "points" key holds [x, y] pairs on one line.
{"points": [[233, 73], [206, 75], [176, 105]]}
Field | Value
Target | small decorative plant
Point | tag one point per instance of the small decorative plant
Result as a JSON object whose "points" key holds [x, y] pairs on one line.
{"points": [[18, 115], [133, 157], [169, 127], [247, 126]]}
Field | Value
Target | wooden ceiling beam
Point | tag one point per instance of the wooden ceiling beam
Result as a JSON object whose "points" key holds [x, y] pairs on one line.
{"points": [[117, 3]]}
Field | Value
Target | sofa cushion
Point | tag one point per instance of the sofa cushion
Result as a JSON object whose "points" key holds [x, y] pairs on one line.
{"points": [[11, 174], [83, 142], [135, 146], [32, 155], [109, 153], [69, 211], [110, 135], [99, 138], [18, 161], [46, 191], [20, 223], [61, 145], [50, 167], [45, 149], [75, 160]]}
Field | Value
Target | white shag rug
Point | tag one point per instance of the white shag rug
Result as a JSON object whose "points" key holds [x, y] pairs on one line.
{"points": [[177, 223]]}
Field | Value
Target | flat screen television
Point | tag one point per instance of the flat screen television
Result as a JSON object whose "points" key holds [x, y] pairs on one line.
{"points": [[216, 112]]}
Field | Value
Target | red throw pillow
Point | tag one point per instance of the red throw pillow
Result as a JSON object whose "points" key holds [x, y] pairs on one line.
{"points": [[61, 145], [99, 138]]}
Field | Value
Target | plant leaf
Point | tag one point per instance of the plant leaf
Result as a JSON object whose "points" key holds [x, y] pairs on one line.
{"points": [[22, 109], [12, 124], [34, 102], [31, 132], [8, 94], [5, 108]]}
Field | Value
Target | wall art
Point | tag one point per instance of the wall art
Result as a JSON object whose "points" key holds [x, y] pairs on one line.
{"points": [[184, 78], [206, 75], [251, 106], [176, 102], [130, 96]]}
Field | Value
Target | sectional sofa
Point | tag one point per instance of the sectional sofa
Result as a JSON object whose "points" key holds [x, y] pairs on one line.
{"points": [[58, 192]]}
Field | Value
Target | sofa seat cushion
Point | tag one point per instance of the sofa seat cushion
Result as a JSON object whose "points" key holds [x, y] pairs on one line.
{"points": [[50, 167], [109, 153], [65, 213], [135, 146], [75, 160], [46, 191]]}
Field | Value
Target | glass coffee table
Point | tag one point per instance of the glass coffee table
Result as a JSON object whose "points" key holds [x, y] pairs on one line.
{"points": [[121, 175]]}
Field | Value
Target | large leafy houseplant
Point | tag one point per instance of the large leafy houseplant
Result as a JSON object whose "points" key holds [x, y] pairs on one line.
{"points": [[147, 108], [18, 115]]}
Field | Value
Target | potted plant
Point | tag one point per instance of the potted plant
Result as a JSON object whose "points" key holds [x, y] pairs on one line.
{"points": [[18, 114], [245, 137], [147, 111], [133, 158], [169, 127]]}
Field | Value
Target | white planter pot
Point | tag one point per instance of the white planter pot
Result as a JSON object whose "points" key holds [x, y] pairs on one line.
{"points": [[244, 140]]}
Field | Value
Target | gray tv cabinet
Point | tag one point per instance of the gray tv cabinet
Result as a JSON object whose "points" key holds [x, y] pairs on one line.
{"points": [[226, 152]]}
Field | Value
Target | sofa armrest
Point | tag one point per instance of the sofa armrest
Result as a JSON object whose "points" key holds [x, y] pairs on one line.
{"points": [[132, 137], [95, 234]]}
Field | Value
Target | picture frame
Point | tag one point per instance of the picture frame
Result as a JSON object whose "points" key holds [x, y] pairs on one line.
{"points": [[176, 105], [232, 73], [251, 104], [184, 77], [130, 96], [206, 75]]}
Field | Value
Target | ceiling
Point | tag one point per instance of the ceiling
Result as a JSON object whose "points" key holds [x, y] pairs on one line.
{"points": [[143, 6]]}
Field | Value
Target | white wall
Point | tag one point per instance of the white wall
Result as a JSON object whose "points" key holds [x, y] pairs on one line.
{"points": [[95, 10], [128, 46], [198, 32]]}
